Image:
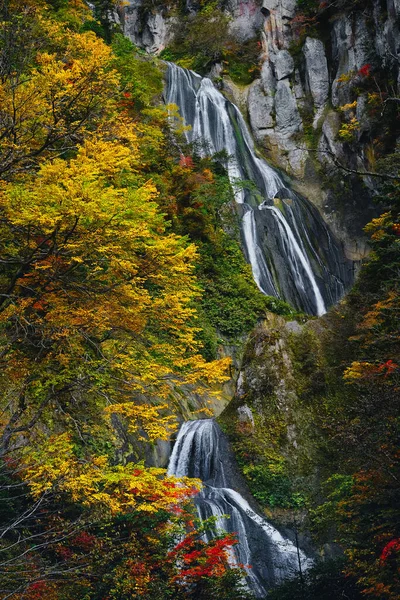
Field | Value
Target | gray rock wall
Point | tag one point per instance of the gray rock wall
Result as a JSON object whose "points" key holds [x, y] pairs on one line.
{"points": [[294, 107], [147, 29], [152, 29]]}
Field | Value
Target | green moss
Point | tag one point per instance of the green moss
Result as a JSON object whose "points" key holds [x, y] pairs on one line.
{"points": [[270, 485], [308, 364], [232, 301], [240, 73]]}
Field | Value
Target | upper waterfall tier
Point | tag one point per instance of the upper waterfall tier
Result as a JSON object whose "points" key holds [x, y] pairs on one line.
{"points": [[202, 451], [292, 253]]}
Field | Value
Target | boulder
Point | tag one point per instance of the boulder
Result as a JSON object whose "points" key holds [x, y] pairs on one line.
{"points": [[260, 107], [267, 78]]}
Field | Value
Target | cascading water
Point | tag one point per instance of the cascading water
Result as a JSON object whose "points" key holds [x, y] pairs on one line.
{"points": [[201, 451], [292, 253]]}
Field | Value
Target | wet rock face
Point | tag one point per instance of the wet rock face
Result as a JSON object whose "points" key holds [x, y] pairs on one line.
{"points": [[350, 40], [292, 253]]}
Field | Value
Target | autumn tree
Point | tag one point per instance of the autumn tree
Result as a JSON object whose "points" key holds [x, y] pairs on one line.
{"points": [[55, 83], [98, 321], [357, 414], [110, 230], [88, 271]]}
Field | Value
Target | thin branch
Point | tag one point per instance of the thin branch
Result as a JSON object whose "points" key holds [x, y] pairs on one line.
{"points": [[338, 164]]}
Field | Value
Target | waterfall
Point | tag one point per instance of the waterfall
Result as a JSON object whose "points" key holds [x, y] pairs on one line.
{"points": [[292, 253], [202, 451]]}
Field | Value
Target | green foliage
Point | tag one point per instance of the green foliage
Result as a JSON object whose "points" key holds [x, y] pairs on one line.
{"points": [[243, 62], [231, 301], [203, 39], [356, 409], [337, 488], [200, 39], [271, 486], [258, 451], [307, 6], [140, 78], [57, 4], [104, 13]]}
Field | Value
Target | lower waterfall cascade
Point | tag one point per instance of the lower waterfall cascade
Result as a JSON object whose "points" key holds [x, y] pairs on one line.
{"points": [[202, 451], [292, 252]]}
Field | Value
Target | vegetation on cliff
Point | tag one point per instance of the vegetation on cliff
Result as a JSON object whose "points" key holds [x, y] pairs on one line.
{"points": [[101, 316], [322, 453], [119, 282], [202, 39]]}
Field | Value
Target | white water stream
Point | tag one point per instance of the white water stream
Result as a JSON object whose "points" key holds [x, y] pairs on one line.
{"points": [[201, 451], [289, 248]]}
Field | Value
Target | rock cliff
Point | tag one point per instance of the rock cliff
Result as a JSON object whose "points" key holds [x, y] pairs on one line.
{"points": [[314, 59]]}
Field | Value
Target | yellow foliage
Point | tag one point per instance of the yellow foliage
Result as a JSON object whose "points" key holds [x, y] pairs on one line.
{"points": [[346, 77], [358, 370], [94, 483], [349, 106], [348, 130], [111, 291], [377, 313], [65, 92], [376, 227], [98, 309], [147, 418]]}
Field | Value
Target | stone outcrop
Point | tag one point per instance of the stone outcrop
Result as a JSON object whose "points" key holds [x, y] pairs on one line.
{"points": [[293, 106], [247, 19], [147, 29], [152, 29], [317, 76]]}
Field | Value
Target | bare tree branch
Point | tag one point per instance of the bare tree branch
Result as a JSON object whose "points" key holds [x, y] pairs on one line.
{"points": [[338, 164]]}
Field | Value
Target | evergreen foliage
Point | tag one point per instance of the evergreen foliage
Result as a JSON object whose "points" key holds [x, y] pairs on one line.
{"points": [[200, 40]]}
